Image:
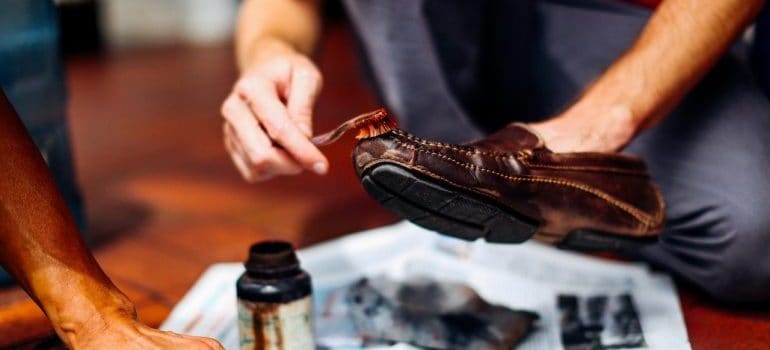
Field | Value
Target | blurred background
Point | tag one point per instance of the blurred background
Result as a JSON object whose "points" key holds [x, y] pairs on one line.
{"points": [[94, 26], [89, 26], [145, 81]]}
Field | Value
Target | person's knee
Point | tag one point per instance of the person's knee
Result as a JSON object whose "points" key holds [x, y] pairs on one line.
{"points": [[738, 283], [740, 270]]}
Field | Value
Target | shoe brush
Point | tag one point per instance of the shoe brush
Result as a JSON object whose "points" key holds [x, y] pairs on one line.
{"points": [[368, 125]]}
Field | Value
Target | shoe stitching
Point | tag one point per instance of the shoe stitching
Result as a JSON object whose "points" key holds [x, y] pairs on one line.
{"points": [[586, 168], [468, 151], [658, 217], [643, 218], [522, 158]]}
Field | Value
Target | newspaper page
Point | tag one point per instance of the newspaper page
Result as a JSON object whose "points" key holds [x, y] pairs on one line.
{"points": [[580, 299]]}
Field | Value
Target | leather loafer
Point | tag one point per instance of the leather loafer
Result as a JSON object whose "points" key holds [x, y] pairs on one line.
{"points": [[509, 187]]}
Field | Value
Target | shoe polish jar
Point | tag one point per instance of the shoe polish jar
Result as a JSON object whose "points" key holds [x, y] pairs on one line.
{"points": [[275, 307]]}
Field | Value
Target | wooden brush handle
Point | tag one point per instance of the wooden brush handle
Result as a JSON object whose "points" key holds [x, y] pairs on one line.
{"points": [[358, 122]]}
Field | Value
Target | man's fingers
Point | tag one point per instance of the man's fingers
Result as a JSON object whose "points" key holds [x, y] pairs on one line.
{"points": [[251, 172], [246, 128], [237, 155], [303, 90], [194, 342], [213, 344], [282, 163], [252, 151], [275, 161], [273, 116]]}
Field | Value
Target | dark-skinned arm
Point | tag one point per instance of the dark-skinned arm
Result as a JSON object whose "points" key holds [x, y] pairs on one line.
{"points": [[681, 42], [40, 246]]}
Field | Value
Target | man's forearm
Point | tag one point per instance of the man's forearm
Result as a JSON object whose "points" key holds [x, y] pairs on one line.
{"points": [[276, 22], [39, 242], [681, 42]]}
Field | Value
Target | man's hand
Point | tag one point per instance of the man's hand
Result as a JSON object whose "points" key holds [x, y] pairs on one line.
{"points": [[98, 316], [127, 333], [594, 128], [268, 115], [141, 337]]}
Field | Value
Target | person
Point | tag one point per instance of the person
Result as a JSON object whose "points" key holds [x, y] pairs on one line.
{"points": [[40, 213], [671, 86]]}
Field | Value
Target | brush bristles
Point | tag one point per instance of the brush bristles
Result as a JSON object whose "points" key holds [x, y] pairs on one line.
{"points": [[372, 124], [376, 128]]}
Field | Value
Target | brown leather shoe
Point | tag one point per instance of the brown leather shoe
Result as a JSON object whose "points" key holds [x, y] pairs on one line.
{"points": [[509, 187]]}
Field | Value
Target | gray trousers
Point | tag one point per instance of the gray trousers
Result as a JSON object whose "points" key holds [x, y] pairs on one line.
{"points": [[453, 70]]}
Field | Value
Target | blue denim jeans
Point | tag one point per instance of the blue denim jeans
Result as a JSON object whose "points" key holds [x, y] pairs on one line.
{"points": [[32, 76]]}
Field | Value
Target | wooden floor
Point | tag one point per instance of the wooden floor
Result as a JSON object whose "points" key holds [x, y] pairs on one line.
{"points": [[164, 201]]}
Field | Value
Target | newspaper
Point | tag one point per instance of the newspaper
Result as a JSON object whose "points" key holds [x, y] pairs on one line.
{"points": [[580, 299]]}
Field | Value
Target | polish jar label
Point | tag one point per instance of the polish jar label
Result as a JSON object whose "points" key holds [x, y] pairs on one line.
{"points": [[276, 326]]}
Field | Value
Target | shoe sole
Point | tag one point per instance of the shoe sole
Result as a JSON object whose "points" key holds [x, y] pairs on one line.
{"points": [[455, 212]]}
